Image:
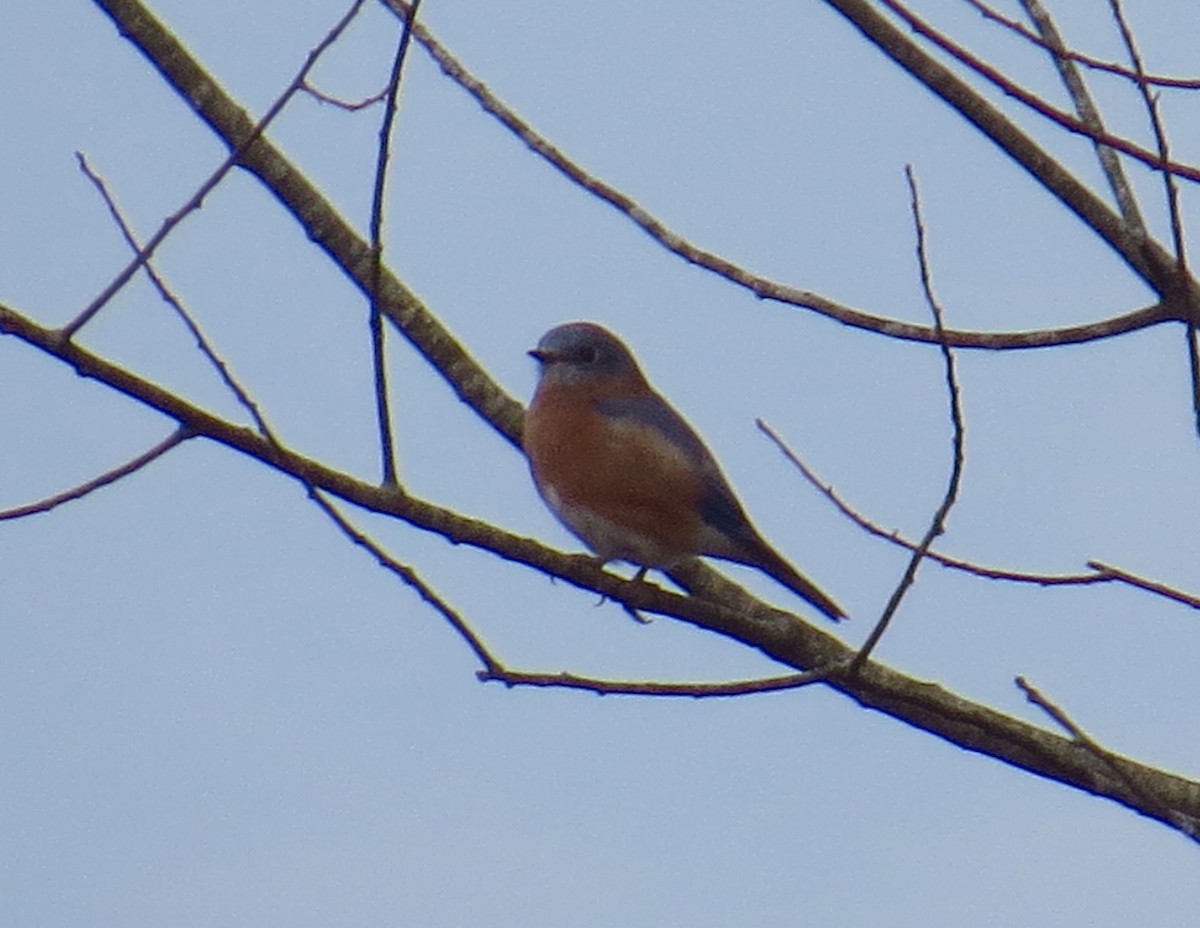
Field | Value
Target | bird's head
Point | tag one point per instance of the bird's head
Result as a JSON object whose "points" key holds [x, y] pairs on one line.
{"points": [[581, 351]]}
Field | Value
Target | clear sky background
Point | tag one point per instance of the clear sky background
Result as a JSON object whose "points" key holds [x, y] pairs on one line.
{"points": [[215, 711]]}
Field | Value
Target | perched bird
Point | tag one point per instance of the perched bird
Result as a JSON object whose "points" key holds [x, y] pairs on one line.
{"points": [[623, 470]]}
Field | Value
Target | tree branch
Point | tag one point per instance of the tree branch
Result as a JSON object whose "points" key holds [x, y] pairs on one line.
{"points": [[1088, 113], [1158, 80], [383, 414], [320, 220], [762, 287], [1102, 754], [102, 480], [1146, 257], [137, 17], [937, 524], [719, 606]]}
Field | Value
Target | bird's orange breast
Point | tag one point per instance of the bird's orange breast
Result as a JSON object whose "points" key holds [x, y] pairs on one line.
{"points": [[619, 469]]}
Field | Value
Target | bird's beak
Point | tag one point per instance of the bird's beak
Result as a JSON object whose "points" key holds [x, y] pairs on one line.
{"points": [[538, 355]]}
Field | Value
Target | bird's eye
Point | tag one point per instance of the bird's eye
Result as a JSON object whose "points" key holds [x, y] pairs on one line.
{"points": [[587, 354]]}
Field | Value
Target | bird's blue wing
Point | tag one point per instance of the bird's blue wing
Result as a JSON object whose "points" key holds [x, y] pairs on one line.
{"points": [[718, 506], [650, 410]]}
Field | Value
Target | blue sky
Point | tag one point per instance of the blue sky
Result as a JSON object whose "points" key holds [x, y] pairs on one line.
{"points": [[217, 712]]}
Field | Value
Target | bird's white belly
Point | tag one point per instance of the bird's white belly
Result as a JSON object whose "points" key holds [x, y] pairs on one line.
{"points": [[609, 541]]}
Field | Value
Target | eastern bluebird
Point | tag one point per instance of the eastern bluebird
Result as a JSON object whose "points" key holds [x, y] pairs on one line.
{"points": [[623, 470]]}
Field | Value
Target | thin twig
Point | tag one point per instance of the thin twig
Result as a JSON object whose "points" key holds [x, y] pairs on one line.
{"points": [[177, 437], [1033, 101], [202, 342], [1170, 190], [1100, 572], [387, 447], [1171, 187], [411, 578], [1193, 350], [867, 525], [1115, 765], [763, 287], [197, 199], [937, 525], [690, 690], [924, 705], [1158, 80], [1108, 572], [407, 574], [1088, 112], [352, 106]]}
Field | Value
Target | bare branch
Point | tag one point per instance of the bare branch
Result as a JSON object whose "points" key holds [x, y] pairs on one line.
{"points": [[1118, 765], [1179, 83], [762, 287], [407, 574], [652, 688], [177, 437], [1088, 112], [1100, 572], [1029, 98], [1193, 349], [1108, 572], [1170, 190], [1145, 256], [129, 15], [411, 578], [351, 106], [867, 525], [937, 525], [387, 447], [320, 220], [242, 396], [778, 634]]}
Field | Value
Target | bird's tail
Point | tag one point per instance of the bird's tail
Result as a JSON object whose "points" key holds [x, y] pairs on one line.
{"points": [[768, 559]]}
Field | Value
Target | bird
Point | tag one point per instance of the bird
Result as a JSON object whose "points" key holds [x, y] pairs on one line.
{"points": [[627, 474]]}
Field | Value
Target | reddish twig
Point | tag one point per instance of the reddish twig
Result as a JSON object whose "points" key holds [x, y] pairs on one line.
{"points": [[763, 287], [1033, 101], [1157, 80], [177, 437], [979, 570], [352, 106]]}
